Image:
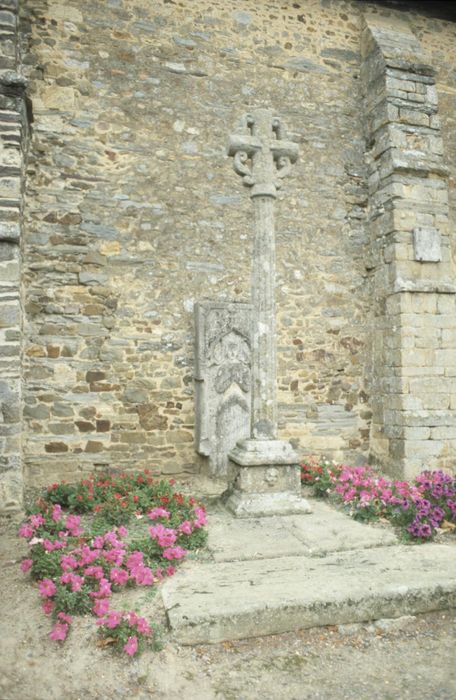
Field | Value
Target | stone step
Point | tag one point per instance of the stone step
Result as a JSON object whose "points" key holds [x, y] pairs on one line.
{"points": [[208, 602], [322, 531]]}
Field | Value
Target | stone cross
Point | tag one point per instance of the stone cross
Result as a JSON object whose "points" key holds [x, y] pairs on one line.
{"points": [[265, 476], [263, 158]]}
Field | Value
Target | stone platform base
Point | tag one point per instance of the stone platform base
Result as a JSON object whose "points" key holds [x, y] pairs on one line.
{"points": [[266, 480], [247, 505]]}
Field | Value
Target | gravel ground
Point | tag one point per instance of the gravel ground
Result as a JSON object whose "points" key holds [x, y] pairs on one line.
{"points": [[412, 657]]}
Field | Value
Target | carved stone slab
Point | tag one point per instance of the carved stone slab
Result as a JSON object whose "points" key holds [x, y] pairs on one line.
{"points": [[222, 379]]}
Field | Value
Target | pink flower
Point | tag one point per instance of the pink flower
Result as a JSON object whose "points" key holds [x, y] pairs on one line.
{"points": [[132, 617], [163, 535], [76, 583], [201, 518], [114, 618], [350, 494], [47, 588], [72, 525], [123, 532], [26, 564], [170, 570], [65, 618], [143, 626], [111, 538], [114, 556], [95, 571], [104, 590], [105, 587], [135, 559], [131, 646], [143, 576], [119, 576], [26, 531], [56, 512], [158, 513], [73, 579], [98, 542], [37, 520], [59, 631], [366, 496], [101, 607], [88, 556], [174, 553], [48, 607], [68, 562], [185, 527]]}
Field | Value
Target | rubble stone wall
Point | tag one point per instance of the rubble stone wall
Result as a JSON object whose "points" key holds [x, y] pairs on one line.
{"points": [[133, 214]]}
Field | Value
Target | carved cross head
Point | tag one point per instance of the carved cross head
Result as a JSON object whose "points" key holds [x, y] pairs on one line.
{"points": [[261, 155]]}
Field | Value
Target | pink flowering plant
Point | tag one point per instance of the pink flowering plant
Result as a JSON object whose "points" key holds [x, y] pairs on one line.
{"points": [[127, 632], [420, 508], [79, 564]]}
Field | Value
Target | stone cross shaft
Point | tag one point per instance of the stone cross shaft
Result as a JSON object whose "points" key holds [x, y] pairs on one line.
{"points": [[262, 157]]}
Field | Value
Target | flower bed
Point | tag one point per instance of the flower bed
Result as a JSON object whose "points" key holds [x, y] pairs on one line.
{"points": [[81, 551], [420, 508]]}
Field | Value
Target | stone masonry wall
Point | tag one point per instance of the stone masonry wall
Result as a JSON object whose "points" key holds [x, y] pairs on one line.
{"points": [[13, 143], [133, 214], [413, 396]]}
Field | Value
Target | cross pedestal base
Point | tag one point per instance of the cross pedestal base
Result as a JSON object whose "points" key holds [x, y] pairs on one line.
{"points": [[265, 480]]}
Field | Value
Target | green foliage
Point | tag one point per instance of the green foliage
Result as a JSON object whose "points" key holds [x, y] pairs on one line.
{"points": [[72, 602], [45, 564], [320, 475], [197, 540], [59, 493], [114, 499], [151, 550]]}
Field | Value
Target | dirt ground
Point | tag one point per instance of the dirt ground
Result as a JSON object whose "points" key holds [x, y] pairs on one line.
{"points": [[391, 660]]}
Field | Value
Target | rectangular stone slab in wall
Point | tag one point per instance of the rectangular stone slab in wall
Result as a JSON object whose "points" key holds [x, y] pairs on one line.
{"points": [[222, 379]]}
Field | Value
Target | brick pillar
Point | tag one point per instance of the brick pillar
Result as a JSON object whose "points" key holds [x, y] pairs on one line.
{"points": [[13, 132], [414, 305]]}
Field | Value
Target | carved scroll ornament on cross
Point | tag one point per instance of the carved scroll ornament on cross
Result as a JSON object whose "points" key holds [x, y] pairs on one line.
{"points": [[261, 155]]}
